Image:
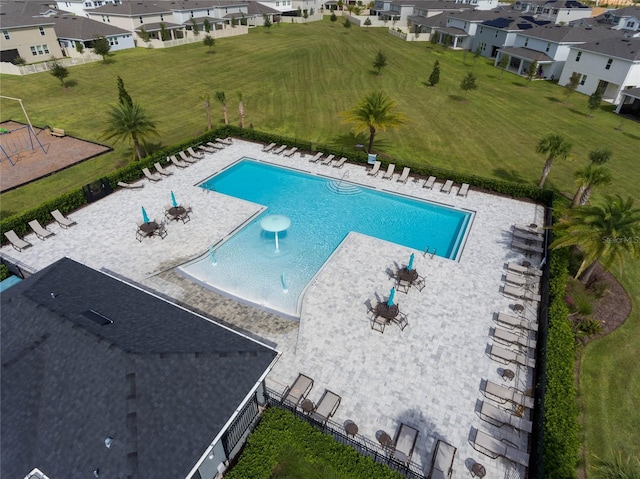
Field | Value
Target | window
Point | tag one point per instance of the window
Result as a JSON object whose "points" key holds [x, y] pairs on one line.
{"points": [[162, 17], [113, 41], [481, 29], [631, 24], [191, 13], [87, 4], [208, 14], [609, 62], [140, 18], [39, 50], [584, 79], [578, 56], [555, 11], [277, 4], [33, 51], [41, 31], [5, 34], [526, 42], [496, 35], [548, 47]]}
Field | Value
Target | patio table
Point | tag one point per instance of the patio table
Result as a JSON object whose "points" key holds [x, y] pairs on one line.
{"points": [[386, 311]]}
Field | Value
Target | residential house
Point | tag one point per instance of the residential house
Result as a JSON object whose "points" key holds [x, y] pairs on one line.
{"points": [[627, 18], [630, 103], [556, 11], [492, 35], [102, 379], [73, 30], [460, 28], [610, 65], [79, 7]]}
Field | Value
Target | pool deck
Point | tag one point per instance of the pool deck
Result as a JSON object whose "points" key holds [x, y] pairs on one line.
{"points": [[429, 376]]}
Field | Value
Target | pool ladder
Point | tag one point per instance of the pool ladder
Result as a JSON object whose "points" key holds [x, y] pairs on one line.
{"points": [[431, 255]]}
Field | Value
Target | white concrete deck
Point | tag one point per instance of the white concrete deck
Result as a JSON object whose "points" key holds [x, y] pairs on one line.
{"points": [[428, 376]]}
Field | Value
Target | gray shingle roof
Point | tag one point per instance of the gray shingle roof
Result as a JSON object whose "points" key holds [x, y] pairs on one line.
{"points": [[133, 8], [75, 27], [621, 47], [528, 54], [571, 34], [22, 14], [158, 379]]}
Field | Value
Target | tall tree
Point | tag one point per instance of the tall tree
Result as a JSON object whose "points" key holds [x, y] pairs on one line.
{"points": [[374, 112], [206, 24], [532, 71], [240, 109], [333, 17], [129, 123], [468, 83], [208, 41], [164, 33], [554, 147], [101, 47], [194, 27], [347, 23], [266, 21], [367, 23], [587, 178], [434, 78], [503, 63], [599, 156], [207, 107], [220, 96], [572, 85], [594, 101], [380, 61], [123, 94], [60, 72], [603, 232]]}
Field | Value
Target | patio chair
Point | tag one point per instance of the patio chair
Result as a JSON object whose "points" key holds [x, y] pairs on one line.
{"points": [[500, 417], [429, 182], [340, 163], [227, 141], [151, 176], [389, 173], [525, 281], [42, 233], [130, 186], [404, 443], [177, 162], [289, 153], [520, 293], [442, 462], [507, 356], [18, 243], [327, 407], [280, 149], [529, 249], [161, 170], [517, 322], [316, 157], [446, 188], [215, 146], [61, 219], [405, 175], [378, 323], [531, 228], [327, 160], [494, 448], [207, 149], [298, 390], [464, 189], [502, 395], [513, 338], [525, 270], [195, 154], [375, 169], [528, 237], [268, 148], [187, 158], [401, 321]]}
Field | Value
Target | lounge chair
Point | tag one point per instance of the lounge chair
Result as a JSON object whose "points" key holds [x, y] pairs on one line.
{"points": [[226, 141], [327, 160], [404, 443], [215, 146], [527, 248], [517, 322], [520, 293], [17, 242], [389, 173], [464, 189], [130, 186], [207, 149], [195, 154], [42, 233], [298, 390], [161, 170], [280, 149], [500, 417], [429, 182], [289, 153], [508, 356], [532, 229], [494, 448], [405, 175], [327, 407], [446, 188], [519, 280], [513, 338], [316, 157], [442, 462], [502, 395], [374, 171], [268, 148], [340, 163], [187, 158], [151, 176], [528, 236], [177, 162], [61, 219], [526, 270]]}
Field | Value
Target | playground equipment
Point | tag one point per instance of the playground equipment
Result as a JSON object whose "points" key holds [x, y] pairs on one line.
{"points": [[23, 140]]}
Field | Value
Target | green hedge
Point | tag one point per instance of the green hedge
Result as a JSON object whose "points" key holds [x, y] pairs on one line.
{"points": [[279, 431], [561, 443]]}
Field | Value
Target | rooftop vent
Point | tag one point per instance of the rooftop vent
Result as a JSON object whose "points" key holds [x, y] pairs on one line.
{"points": [[97, 318]]}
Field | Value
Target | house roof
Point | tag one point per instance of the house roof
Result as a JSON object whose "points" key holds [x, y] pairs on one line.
{"points": [[157, 26], [527, 54], [481, 15], [632, 92], [128, 8], [570, 34], [514, 22], [436, 20], [86, 356], [22, 14], [456, 32], [74, 27], [256, 8], [620, 47], [630, 11]]}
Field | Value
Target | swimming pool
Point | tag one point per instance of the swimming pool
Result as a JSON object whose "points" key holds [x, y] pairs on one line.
{"points": [[322, 212]]}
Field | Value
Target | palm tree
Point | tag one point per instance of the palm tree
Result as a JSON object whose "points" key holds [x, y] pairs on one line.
{"points": [[240, 109], [588, 178], [602, 232], [220, 96], [130, 123], [373, 112], [599, 156], [207, 107], [555, 147]]}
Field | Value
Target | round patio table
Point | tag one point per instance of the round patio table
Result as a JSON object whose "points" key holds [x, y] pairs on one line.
{"points": [[478, 470], [408, 274], [307, 406], [508, 374], [176, 211], [385, 440], [386, 311], [351, 429], [149, 226]]}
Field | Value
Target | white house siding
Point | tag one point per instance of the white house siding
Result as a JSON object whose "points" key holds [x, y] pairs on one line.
{"points": [[117, 42], [130, 23], [490, 39], [559, 53]]}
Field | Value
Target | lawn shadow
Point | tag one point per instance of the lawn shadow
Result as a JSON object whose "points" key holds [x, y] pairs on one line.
{"points": [[518, 84], [578, 112], [427, 84], [629, 135], [69, 84], [553, 99], [509, 175], [151, 147], [348, 141], [457, 98]]}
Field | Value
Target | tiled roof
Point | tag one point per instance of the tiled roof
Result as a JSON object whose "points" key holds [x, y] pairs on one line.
{"points": [[99, 358], [74, 27], [626, 48]]}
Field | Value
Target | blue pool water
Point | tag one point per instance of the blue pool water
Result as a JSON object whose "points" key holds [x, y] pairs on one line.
{"points": [[322, 213]]}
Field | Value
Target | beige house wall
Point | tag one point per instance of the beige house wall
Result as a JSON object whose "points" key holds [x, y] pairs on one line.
{"points": [[129, 23], [23, 38]]}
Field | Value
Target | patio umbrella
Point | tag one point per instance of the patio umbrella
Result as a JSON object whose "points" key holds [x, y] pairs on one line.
{"points": [[410, 266], [392, 294], [173, 200], [145, 218]]}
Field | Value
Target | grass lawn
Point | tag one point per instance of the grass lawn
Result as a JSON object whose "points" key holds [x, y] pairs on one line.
{"points": [[296, 79]]}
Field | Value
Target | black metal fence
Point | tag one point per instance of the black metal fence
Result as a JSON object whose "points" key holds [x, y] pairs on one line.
{"points": [[243, 422]]}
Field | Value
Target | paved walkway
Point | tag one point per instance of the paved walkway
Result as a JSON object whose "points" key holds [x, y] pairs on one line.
{"points": [[429, 376]]}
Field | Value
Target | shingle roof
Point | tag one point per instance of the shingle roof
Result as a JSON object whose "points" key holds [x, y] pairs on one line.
{"points": [[571, 34], [22, 14], [481, 15], [625, 48], [133, 8], [632, 92], [527, 54], [75, 27], [104, 359]]}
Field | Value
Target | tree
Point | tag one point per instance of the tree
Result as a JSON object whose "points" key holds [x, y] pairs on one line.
{"points": [[164, 33], [79, 47], [347, 23], [572, 85], [206, 25], [503, 63], [468, 83], [617, 468], [207, 107], [209, 41], [435, 38], [194, 27], [333, 17], [234, 22], [434, 78], [220, 96], [555, 147], [101, 47], [266, 21], [373, 112], [240, 109], [603, 232], [60, 72], [367, 23], [532, 71], [587, 178], [380, 61], [144, 35], [599, 156], [594, 101], [123, 94], [129, 123]]}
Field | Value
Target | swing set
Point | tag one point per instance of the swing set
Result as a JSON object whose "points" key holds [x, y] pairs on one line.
{"points": [[22, 140]]}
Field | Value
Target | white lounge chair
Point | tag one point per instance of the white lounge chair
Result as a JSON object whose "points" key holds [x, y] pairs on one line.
{"points": [[327, 160], [404, 443], [506, 356], [151, 176], [187, 158], [298, 390], [442, 462], [280, 149], [161, 170], [61, 219], [525, 270], [226, 141], [502, 395], [494, 448], [289, 153], [446, 188], [525, 281], [512, 338], [464, 189], [517, 322], [316, 157], [532, 228], [18, 243], [375, 169], [389, 173], [177, 162], [500, 417], [405, 175], [130, 186], [207, 149], [340, 163], [268, 148], [520, 293], [429, 182], [528, 236], [527, 248], [215, 146], [195, 154], [42, 233], [327, 407]]}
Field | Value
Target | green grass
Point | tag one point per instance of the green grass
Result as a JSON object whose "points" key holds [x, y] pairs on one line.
{"points": [[296, 79]]}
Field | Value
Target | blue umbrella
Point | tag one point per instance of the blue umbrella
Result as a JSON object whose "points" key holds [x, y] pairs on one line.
{"points": [[410, 267], [392, 295], [145, 218], [173, 200]]}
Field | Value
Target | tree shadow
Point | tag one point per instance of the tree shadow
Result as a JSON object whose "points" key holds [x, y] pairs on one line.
{"points": [[70, 83], [459, 98], [427, 84], [349, 140], [518, 84], [509, 175], [577, 112], [151, 147], [553, 99], [108, 61], [629, 135]]}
